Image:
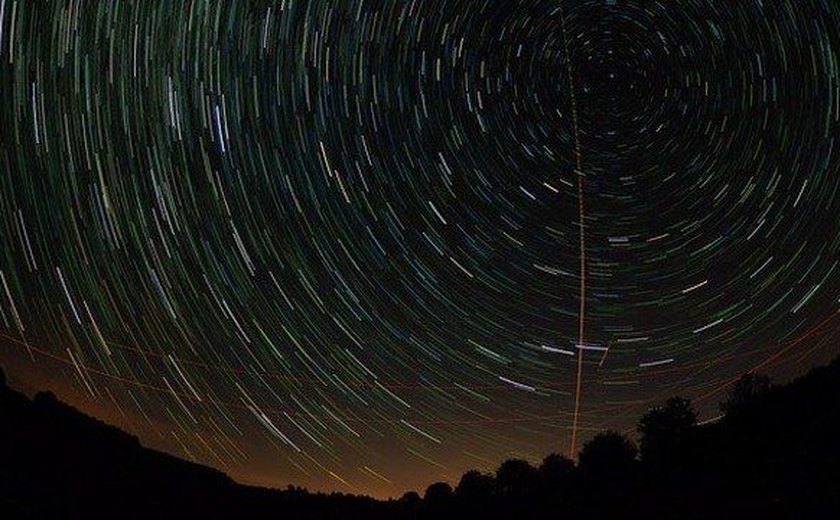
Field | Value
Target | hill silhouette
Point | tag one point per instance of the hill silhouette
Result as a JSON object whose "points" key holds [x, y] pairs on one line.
{"points": [[775, 453], [56, 462]]}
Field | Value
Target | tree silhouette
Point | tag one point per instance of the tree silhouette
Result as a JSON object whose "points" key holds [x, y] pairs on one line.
{"points": [[662, 428], [438, 494], [475, 485], [411, 499], [556, 471], [745, 390], [516, 478], [607, 454], [607, 479]]}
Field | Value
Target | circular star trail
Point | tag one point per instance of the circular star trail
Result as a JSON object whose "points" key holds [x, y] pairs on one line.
{"points": [[337, 243]]}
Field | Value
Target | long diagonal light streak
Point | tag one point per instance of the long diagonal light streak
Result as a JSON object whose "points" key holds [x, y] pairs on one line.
{"points": [[581, 235]]}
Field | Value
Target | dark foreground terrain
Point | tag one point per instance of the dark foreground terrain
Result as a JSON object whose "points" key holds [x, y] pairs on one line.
{"points": [[774, 454]]}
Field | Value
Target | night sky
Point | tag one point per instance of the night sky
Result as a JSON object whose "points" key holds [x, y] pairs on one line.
{"points": [[336, 243]]}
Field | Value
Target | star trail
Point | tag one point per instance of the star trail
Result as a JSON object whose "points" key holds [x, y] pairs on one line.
{"points": [[340, 243]]}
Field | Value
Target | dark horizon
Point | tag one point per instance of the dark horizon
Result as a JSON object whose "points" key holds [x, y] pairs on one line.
{"points": [[707, 413], [772, 454]]}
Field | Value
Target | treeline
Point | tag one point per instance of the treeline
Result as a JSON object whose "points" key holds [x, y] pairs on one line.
{"points": [[774, 453]]}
